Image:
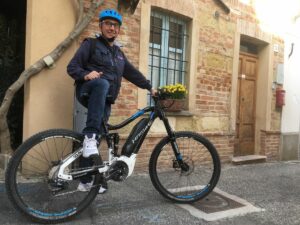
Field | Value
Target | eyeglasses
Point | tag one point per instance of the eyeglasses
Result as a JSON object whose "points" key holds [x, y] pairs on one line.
{"points": [[111, 24]]}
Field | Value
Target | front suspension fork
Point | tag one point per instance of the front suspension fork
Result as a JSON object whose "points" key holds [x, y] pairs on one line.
{"points": [[174, 145]]}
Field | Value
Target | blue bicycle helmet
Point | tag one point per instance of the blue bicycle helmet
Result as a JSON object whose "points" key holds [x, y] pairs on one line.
{"points": [[110, 14]]}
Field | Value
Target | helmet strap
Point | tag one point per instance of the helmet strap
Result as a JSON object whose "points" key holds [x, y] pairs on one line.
{"points": [[111, 39]]}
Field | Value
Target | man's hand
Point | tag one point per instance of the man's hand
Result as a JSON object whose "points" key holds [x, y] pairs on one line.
{"points": [[93, 75], [153, 92]]}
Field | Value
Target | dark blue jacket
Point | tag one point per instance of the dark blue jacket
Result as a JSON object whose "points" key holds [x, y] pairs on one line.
{"points": [[111, 61]]}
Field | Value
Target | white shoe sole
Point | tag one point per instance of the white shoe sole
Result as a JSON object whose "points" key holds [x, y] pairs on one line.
{"points": [[88, 156], [102, 190]]}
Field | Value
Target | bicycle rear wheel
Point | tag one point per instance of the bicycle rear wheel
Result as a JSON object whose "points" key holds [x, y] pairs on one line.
{"points": [[201, 170], [30, 177]]}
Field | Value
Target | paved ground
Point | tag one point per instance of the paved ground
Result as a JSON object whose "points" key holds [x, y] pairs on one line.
{"points": [[272, 186]]}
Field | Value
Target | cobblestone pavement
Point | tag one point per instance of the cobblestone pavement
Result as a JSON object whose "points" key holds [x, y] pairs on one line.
{"points": [[273, 187]]}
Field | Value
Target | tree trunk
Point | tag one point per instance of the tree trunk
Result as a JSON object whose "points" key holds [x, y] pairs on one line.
{"points": [[83, 21], [5, 136]]}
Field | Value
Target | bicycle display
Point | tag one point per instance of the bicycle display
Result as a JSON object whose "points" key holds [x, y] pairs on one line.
{"points": [[43, 174]]}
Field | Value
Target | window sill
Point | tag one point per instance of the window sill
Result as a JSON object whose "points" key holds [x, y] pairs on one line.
{"points": [[180, 113]]}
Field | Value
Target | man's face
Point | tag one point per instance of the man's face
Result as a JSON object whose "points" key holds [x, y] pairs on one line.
{"points": [[110, 28]]}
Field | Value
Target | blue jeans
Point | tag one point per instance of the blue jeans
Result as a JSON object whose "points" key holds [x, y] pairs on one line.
{"points": [[92, 94]]}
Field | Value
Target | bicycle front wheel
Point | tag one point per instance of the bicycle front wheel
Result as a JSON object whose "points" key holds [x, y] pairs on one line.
{"points": [[31, 178], [193, 180]]}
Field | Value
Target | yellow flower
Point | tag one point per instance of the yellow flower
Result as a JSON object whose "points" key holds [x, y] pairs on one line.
{"points": [[175, 91]]}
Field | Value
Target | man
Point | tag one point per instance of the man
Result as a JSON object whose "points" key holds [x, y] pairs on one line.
{"points": [[98, 67]]}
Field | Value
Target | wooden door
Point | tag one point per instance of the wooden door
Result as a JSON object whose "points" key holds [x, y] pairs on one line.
{"points": [[246, 104]]}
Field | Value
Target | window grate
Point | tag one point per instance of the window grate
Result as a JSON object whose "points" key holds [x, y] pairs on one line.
{"points": [[167, 47]]}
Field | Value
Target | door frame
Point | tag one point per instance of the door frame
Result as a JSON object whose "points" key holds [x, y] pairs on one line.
{"points": [[237, 148], [264, 84]]}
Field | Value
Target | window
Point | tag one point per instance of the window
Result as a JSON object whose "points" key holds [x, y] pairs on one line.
{"points": [[248, 47], [168, 37]]}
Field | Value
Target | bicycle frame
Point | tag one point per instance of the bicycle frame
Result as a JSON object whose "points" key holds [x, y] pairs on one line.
{"points": [[156, 111]]}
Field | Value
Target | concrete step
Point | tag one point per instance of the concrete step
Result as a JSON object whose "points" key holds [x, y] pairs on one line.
{"points": [[247, 159]]}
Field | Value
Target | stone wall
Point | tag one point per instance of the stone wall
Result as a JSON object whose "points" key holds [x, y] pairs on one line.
{"points": [[270, 142]]}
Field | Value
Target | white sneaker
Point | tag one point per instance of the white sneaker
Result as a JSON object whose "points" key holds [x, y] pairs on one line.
{"points": [[90, 146], [87, 187], [102, 190]]}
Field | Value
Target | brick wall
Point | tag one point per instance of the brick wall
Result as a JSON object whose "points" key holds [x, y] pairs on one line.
{"points": [[214, 70], [270, 142]]}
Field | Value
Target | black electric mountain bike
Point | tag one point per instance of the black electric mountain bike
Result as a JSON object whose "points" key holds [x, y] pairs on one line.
{"points": [[43, 174]]}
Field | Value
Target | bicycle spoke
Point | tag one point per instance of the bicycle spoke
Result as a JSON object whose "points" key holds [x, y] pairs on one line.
{"points": [[46, 142], [63, 151], [42, 149], [37, 159]]}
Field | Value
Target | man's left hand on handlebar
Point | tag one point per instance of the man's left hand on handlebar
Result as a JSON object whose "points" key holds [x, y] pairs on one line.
{"points": [[153, 92]]}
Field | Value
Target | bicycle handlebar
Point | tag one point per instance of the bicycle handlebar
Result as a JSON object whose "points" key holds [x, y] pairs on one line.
{"points": [[158, 96]]}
